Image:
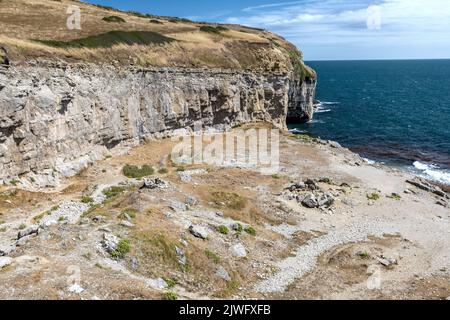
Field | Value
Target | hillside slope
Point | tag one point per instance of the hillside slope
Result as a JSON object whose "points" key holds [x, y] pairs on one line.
{"points": [[38, 29]]}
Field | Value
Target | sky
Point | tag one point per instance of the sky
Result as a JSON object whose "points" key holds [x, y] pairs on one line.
{"points": [[327, 29]]}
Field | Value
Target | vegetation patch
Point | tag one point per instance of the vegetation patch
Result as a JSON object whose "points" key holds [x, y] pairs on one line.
{"points": [[223, 229], [155, 21], [87, 200], [374, 196], [123, 247], [128, 212], [114, 191], [250, 231], [229, 199], [114, 19], [109, 39], [136, 172], [212, 29], [171, 282], [163, 171], [169, 295], [213, 256]]}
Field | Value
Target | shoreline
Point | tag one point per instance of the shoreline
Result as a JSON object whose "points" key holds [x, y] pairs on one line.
{"points": [[374, 215]]}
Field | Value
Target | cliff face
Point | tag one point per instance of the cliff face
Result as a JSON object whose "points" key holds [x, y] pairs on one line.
{"points": [[55, 119], [301, 100]]}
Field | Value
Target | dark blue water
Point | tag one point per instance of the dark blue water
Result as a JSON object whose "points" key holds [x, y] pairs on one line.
{"points": [[397, 112]]}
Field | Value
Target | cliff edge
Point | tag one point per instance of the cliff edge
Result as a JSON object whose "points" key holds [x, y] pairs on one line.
{"points": [[69, 96]]}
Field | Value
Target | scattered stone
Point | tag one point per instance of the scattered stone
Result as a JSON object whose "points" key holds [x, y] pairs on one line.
{"points": [[134, 263], [126, 216], [426, 186], [219, 214], [28, 231], [310, 201], [105, 229], [181, 255], [223, 274], [177, 206], [5, 250], [296, 187], [349, 202], [326, 200], [345, 185], [312, 185], [191, 201], [127, 224], [154, 183], [97, 218], [110, 242], [442, 203], [158, 284], [334, 145], [22, 241], [239, 251], [76, 288], [199, 232], [5, 261], [387, 262], [237, 226]]}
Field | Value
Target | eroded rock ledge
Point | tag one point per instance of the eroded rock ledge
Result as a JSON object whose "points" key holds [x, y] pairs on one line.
{"points": [[57, 118]]}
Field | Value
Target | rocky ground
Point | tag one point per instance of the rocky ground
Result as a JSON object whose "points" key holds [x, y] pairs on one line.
{"points": [[329, 225]]}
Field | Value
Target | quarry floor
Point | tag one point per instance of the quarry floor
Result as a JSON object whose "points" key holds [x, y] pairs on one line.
{"points": [[272, 247]]}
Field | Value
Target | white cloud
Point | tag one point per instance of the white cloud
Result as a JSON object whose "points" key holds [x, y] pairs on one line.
{"points": [[417, 25]]}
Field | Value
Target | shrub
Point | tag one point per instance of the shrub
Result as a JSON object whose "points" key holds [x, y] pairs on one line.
{"points": [[373, 196], [22, 226], [87, 200], [155, 21], [123, 247], [223, 229], [115, 19], [396, 196], [171, 282], [130, 212], [170, 296], [114, 191], [250, 231], [136, 172]]}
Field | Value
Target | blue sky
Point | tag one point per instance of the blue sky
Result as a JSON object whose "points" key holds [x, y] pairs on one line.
{"points": [[327, 29]]}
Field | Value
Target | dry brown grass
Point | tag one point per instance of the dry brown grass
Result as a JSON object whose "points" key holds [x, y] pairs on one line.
{"points": [[24, 21]]}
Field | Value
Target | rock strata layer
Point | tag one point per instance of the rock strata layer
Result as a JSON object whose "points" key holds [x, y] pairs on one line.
{"points": [[55, 119]]}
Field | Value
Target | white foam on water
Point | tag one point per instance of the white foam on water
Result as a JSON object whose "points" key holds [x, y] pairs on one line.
{"points": [[432, 172]]}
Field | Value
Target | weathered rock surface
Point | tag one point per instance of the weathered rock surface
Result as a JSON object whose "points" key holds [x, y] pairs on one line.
{"points": [[55, 119]]}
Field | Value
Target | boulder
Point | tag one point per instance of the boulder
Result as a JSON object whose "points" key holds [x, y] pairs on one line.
{"points": [[126, 224], [28, 231], [5, 261], [181, 255], [110, 242], [7, 249], [312, 185], [310, 201], [199, 232], [326, 200], [239, 251], [154, 183], [4, 57], [223, 274]]}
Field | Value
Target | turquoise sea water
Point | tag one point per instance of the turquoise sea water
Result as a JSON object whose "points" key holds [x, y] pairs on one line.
{"points": [[396, 112]]}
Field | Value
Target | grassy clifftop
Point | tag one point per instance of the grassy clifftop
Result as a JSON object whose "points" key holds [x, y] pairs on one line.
{"points": [[32, 29]]}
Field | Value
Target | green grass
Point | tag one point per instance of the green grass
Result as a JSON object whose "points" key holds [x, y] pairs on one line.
{"points": [[123, 247], [107, 40], [171, 282], [130, 212], [87, 200], [374, 196], [114, 19], [136, 172], [395, 196], [213, 256], [276, 176], [250, 231], [62, 218], [364, 255], [170, 296], [229, 199], [114, 191], [223, 229], [212, 29]]}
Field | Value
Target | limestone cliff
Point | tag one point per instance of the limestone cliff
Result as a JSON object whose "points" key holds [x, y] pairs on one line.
{"points": [[57, 118]]}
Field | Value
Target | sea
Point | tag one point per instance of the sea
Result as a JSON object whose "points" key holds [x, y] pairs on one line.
{"points": [[395, 112]]}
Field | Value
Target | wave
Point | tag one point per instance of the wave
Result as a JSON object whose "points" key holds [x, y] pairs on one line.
{"points": [[432, 172], [320, 110]]}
